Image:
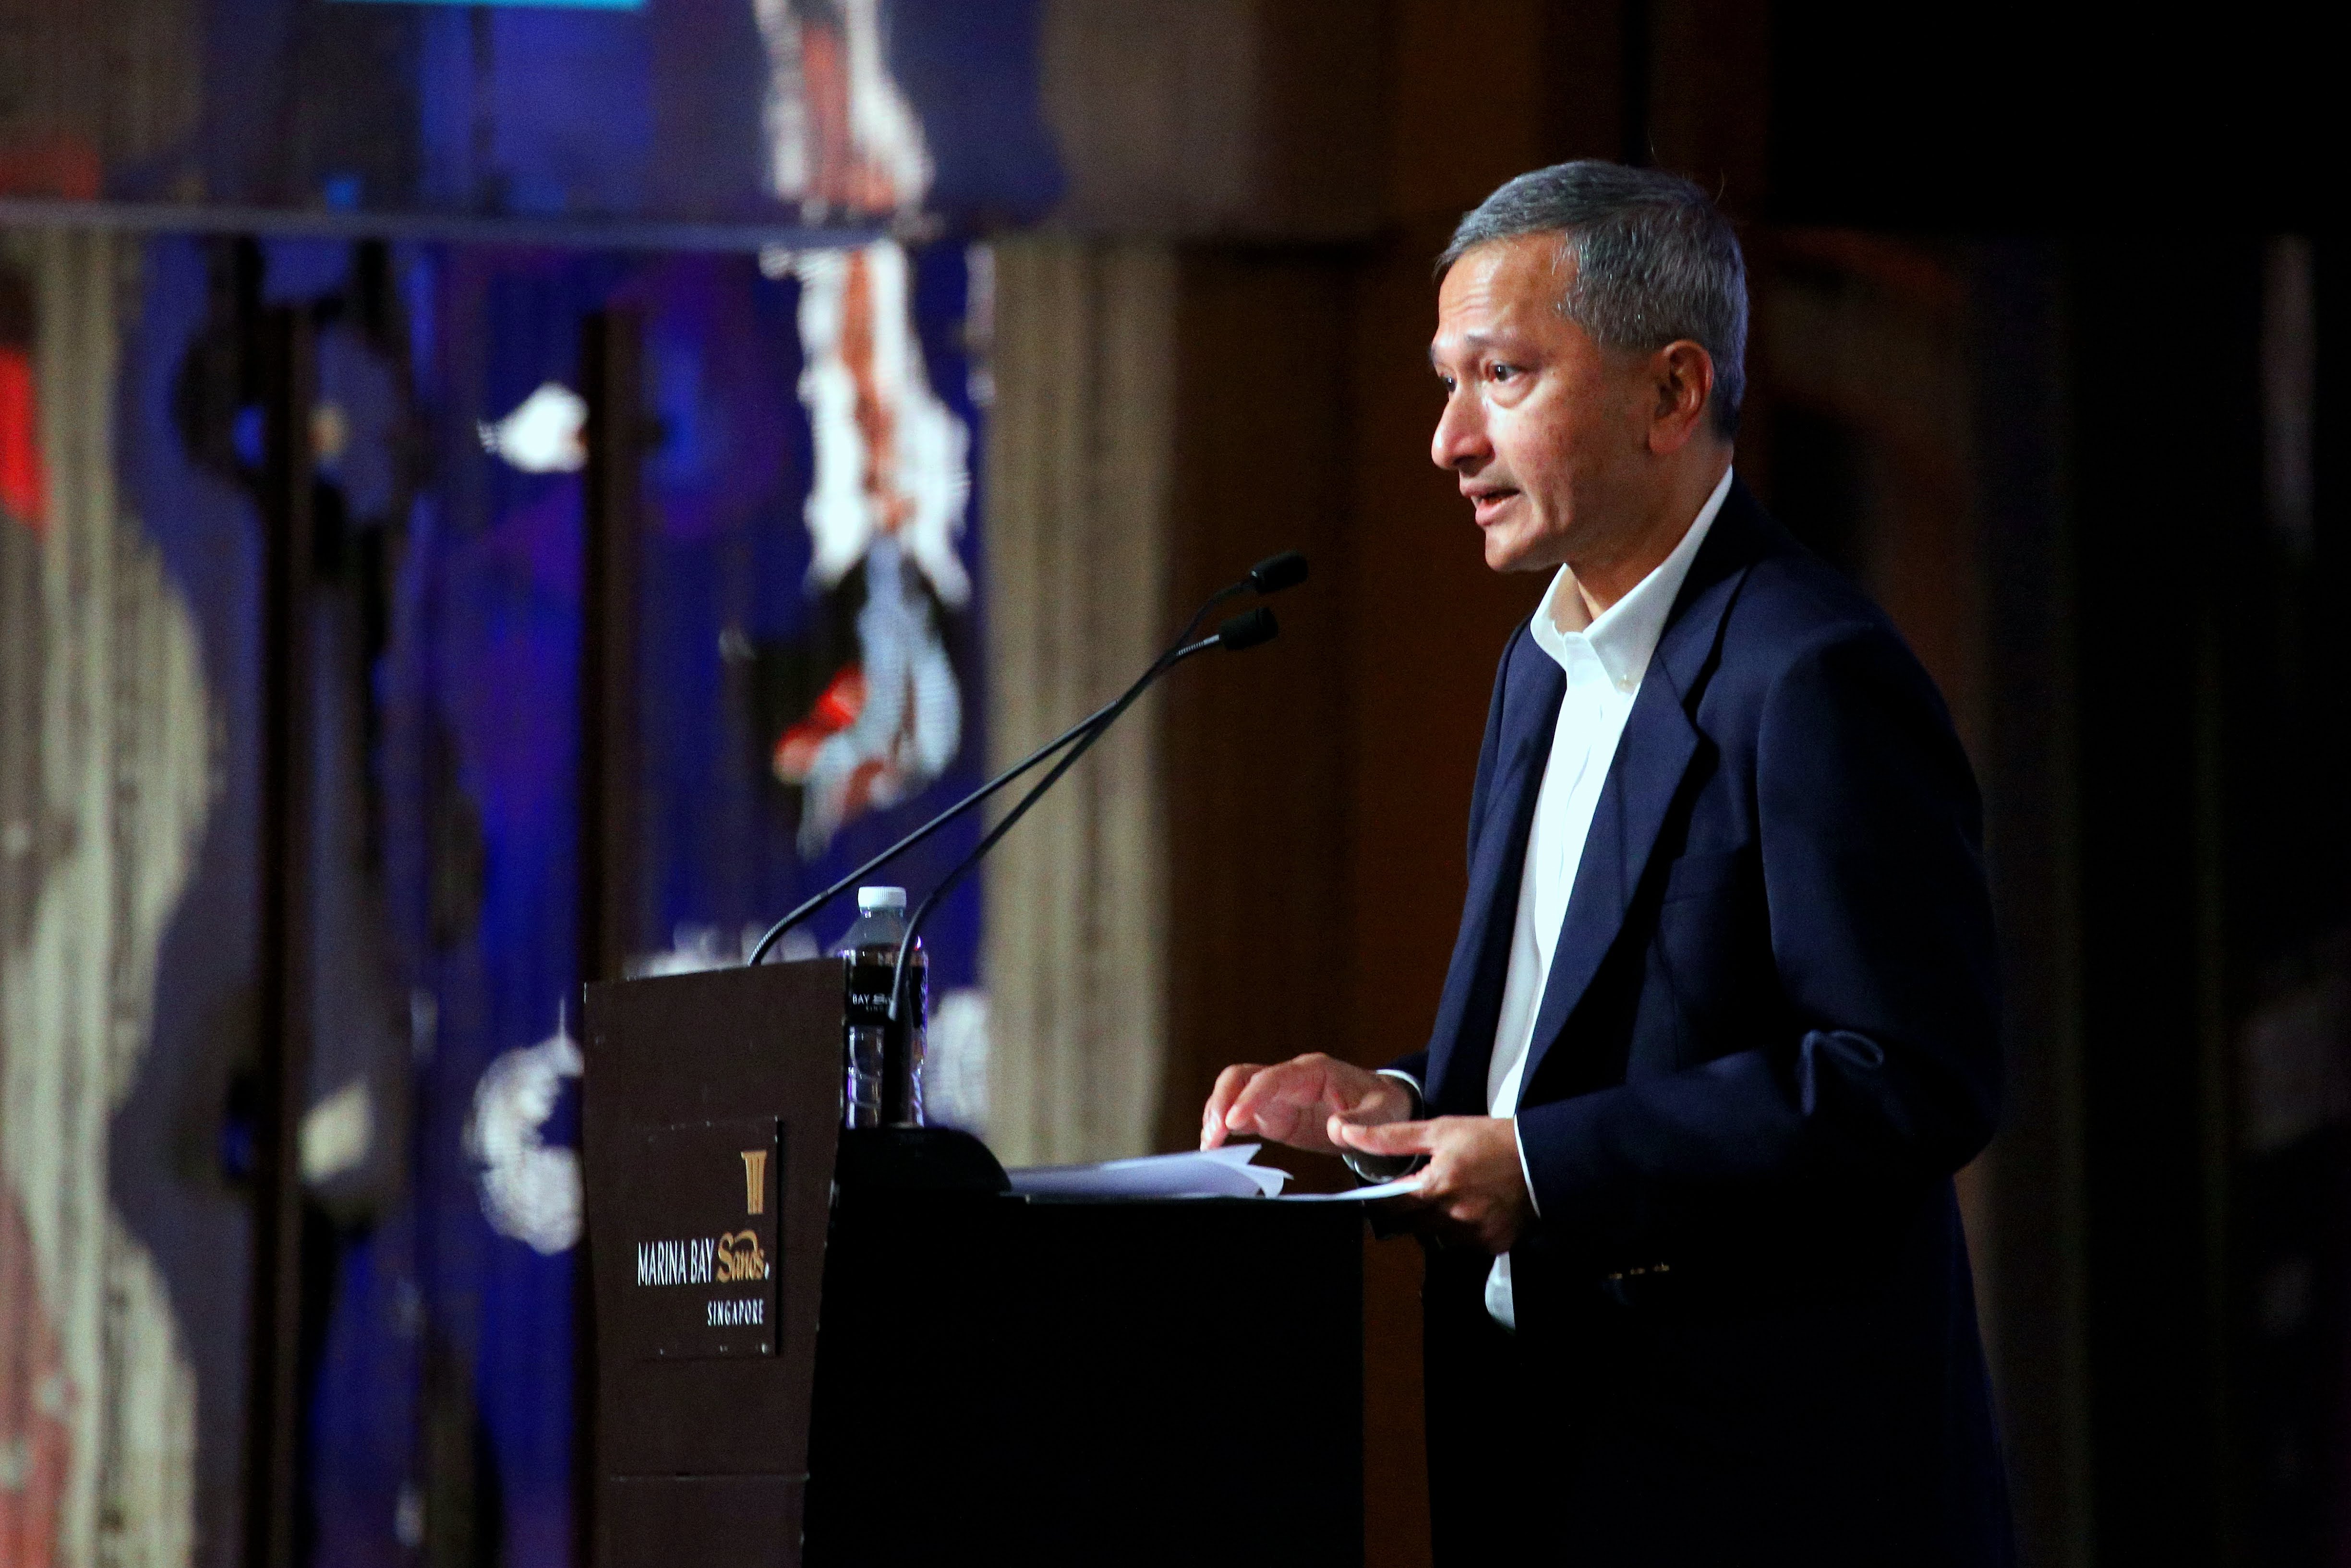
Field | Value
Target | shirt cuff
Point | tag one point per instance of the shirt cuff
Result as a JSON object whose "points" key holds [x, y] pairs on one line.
{"points": [[1379, 1168], [1525, 1174], [1419, 1099]]}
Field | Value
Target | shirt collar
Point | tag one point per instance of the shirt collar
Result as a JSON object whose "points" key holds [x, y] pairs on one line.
{"points": [[1624, 636]]}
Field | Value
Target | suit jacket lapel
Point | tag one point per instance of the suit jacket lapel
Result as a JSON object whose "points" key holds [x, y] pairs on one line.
{"points": [[1458, 1054], [1652, 755]]}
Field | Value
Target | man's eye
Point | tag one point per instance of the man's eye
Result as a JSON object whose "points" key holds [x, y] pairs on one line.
{"points": [[1502, 372], [1447, 382]]}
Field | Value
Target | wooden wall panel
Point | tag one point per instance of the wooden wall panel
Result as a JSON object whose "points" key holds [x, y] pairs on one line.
{"points": [[1077, 562], [1471, 109], [1256, 786], [1218, 117], [1431, 623], [1265, 803]]}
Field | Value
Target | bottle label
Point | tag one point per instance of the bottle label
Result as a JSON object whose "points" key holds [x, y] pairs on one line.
{"points": [[868, 995]]}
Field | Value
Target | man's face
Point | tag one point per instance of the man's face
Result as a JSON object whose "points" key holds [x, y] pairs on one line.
{"points": [[1546, 431]]}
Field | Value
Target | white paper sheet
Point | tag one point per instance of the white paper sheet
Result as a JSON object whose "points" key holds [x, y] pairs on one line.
{"points": [[1396, 1188], [1216, 1173], [1227, 1172]]}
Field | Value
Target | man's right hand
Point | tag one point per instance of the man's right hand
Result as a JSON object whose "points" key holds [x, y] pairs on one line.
{"points": [[1298, 1101]]}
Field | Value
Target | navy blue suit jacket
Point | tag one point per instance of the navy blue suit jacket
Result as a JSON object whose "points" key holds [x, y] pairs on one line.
{"points": [[1768, 1039]]}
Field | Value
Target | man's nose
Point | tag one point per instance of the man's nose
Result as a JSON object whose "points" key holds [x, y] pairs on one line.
{"points": [[1461, 437]]}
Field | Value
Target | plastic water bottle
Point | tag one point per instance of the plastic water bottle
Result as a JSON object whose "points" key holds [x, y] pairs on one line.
{"points": [[882, 1063]]}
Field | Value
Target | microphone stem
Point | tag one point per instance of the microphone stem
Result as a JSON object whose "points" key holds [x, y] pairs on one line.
{"points": [[1223, 595], [1098, 727], [1092, 724], [812, 905]]}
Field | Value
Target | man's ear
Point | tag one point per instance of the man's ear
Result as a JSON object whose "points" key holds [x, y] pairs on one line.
{"points": [[1684, 378]]}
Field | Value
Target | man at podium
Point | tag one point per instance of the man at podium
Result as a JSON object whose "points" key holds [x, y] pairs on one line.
{"points": [[1719, 1023]]}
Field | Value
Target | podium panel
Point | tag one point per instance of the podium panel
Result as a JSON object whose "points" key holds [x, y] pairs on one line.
{"points": [[711, 1104], [673, 1519], [803, 1356]]}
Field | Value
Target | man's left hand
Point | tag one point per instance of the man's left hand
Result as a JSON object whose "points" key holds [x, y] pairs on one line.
{"points": [[1473, 1187]]}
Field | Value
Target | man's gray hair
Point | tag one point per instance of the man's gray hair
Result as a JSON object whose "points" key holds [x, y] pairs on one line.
{"points": [[1656, 261]]}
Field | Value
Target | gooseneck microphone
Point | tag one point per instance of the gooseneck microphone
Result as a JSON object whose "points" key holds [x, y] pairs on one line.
{"points": [[1276, 573], [1245, 630], [1271, 576]]}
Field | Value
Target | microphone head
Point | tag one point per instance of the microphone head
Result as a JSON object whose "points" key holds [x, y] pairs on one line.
{"points": [[1249, 627], [1276, 573]]}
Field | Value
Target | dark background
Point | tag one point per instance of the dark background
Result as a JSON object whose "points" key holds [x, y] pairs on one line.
{"points": [[2029, 291]]}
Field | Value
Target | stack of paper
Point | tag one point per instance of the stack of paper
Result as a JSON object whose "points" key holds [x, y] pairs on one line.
{"points": [[1223, 1172], [1216, 1173]]}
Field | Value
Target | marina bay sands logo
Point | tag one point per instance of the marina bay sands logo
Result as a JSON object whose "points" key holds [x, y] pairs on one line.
{"points": [[706, 1269], [718, 1260]]}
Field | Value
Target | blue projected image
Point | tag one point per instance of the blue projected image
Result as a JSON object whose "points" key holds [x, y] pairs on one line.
{"points": [[809, 122], [565, 5], [812, 659]]}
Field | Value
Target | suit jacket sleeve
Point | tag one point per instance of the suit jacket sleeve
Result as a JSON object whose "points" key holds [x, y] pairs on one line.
{"points": [[1885, 1069], [1489, 750]]}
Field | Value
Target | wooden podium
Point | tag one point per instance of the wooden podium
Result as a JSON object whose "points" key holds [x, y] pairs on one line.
{"points": [[909, 1365]]}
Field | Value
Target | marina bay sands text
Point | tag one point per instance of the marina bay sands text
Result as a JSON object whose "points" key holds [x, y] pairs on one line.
{"points": [[697, 1261], [687, 1263]]}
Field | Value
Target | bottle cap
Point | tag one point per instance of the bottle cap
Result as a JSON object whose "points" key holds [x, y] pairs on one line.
{"points": [[872, 899]]}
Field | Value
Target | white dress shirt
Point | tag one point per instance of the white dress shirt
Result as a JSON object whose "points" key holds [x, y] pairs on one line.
{"points": [[1604, 659]]}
